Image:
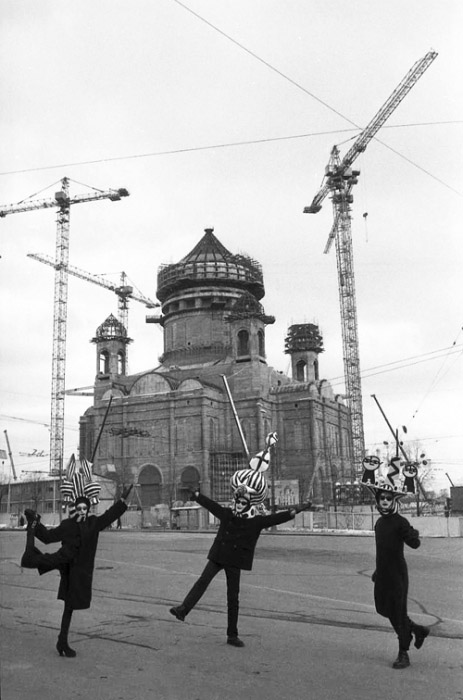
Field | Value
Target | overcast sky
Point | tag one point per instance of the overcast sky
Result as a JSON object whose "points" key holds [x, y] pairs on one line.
{"points": [[223, 114]]}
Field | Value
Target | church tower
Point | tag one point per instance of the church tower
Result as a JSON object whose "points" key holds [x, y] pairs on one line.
{"points": [[111, 353], [210, 306], [304, 344]]}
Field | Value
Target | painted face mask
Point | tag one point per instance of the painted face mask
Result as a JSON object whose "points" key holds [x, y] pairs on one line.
{"points": [[81, 508], [386, 503], [241, 505]]}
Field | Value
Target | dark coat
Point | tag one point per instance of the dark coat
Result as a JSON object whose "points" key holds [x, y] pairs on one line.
{"points": [[237, 537], [391, 575], [76, 578]]}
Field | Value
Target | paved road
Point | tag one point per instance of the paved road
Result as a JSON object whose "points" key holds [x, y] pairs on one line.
{"points": [[306, 616]]}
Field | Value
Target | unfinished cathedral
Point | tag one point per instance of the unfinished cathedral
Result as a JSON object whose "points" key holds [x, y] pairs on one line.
{"points": [[173, 428]]}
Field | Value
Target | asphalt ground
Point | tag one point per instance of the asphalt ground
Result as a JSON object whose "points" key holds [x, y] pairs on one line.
{"points": [[306, 617]]}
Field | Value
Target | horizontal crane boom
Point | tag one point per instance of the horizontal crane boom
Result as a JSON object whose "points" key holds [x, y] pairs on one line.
{"points": [[120, 290]]}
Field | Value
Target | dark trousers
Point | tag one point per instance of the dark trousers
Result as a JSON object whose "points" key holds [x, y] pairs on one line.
{"points": [[233, 589], [402, 625]]}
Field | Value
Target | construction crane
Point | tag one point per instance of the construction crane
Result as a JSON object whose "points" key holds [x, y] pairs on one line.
{"points": [[123, 291], [339, 180], [10, 455], [62, 201]]}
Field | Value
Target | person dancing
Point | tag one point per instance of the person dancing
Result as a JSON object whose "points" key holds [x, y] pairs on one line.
{"points": [[233, 548], [78, 535]]}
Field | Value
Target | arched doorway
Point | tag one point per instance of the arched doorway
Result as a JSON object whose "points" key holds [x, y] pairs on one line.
{"points": [[150, 481], [189, 481]]}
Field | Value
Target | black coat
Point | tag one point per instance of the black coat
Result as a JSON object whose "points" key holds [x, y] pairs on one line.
{"points": [[237, 537], [76, 578], [391, 575]]}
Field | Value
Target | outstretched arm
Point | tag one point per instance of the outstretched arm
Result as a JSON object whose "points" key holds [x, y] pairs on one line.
{"points": [[115, 511], [212, 506], [284, 515]]}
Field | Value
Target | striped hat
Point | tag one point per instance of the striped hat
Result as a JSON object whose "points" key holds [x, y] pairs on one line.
{"points": [[79, 483]]}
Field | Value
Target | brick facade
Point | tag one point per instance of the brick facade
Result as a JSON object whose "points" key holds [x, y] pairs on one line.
{"points": [[172, 428]]}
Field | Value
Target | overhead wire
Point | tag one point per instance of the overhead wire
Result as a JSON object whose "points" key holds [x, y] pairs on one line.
{"points": [[402, 364], [437, 376], [311, 94], [207, 147]]}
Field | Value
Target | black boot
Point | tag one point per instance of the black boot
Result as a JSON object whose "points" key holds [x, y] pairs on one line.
{"points": [[402, 661], [32, 518], [180, 612], [63, 648], [29, 559], [235, 641], [420, 632]]}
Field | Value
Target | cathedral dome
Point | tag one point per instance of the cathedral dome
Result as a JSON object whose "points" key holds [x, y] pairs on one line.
{"points": [[210, 263]]}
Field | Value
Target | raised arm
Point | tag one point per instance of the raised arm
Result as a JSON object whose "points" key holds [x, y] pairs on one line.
{"points": [[115, 511], [212, 506]]}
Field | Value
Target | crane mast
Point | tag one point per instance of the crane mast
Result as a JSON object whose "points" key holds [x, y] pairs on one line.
{"points": [[338, 182], [10, 455], [63, 202]]}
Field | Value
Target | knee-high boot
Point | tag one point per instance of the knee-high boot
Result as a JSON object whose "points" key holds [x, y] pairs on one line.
{"points": [[29, 559], [62, 645]]}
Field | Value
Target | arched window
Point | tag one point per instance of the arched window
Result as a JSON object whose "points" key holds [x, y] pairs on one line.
{"points": [[243, 343], [120, 362], [301, 371], [150, 486], [103, 366], [261, 342]]}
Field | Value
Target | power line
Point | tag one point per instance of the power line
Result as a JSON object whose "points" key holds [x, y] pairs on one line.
{"points": [[29, 420], [307, 92], [424, 357], [209, 147]]}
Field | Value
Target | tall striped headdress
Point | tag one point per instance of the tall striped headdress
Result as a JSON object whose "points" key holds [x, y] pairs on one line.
{"points": [[79, 482], [252, 481]]}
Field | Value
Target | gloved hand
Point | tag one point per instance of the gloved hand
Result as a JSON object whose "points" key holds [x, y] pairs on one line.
{"points": [[194, 495], [126, 492], [302, 506]]}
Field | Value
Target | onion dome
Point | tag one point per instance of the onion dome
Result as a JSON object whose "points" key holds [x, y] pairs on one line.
{"points": [[303, 337], [111, 329]]}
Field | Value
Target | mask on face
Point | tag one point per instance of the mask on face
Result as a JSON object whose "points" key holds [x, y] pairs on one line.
{"points": [[386, 503], [82, 507]]}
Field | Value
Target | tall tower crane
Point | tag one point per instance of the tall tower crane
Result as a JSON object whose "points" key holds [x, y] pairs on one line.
{"points": [[338, 182], [123, 291], [62, 201]]}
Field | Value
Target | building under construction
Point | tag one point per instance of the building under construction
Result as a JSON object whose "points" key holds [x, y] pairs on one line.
{"points": [[172, 428]]}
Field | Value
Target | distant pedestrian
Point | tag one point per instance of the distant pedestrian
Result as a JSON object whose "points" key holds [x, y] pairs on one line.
{"points": [[390, 577], [235, 542]]}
